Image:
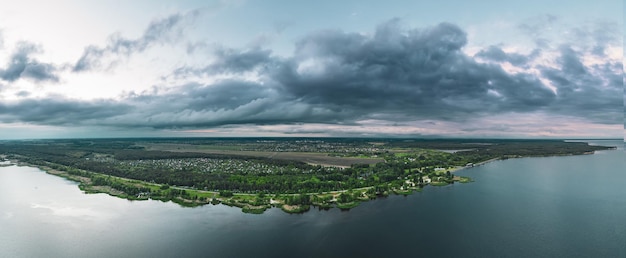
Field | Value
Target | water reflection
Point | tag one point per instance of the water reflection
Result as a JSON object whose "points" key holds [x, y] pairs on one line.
{"points": [[555, 206]]}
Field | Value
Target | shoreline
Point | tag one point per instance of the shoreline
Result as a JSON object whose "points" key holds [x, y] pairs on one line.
{"points": [[456, 169], [452, 170], [249, 203]]}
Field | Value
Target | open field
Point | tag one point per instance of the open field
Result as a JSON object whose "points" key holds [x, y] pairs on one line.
{"points": [[312, 158]]}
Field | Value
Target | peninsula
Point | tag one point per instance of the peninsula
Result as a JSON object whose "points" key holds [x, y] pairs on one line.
{"points": [[259, 173]]}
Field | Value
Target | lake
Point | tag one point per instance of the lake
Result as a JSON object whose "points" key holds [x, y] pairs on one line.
{"points": [[573, 206]]}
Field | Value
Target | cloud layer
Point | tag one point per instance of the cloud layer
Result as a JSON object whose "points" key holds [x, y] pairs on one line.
{"points": [[392, 74]]}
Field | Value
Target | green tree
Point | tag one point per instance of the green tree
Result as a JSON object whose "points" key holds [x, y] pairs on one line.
{"points": [[226, 193]]}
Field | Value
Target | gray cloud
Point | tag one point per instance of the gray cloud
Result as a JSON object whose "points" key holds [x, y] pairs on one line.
{"points": [[594, 37], [190, 106], [594, 92], [22, 65], [398, 74], [23, 94], [496, 54], [393, 74], [223, 103], [230, 60], [158, 32], [417, 73], [240, 61], [597, 36], [59, 111]]}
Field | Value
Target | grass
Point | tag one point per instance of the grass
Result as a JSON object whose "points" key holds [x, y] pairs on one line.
{"points": [[347, 206], [295, 208], [465, 180], [403, 192], [254, 209]]}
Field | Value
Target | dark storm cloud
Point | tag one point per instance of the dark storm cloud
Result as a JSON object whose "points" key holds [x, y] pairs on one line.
{"points": [[190, 106], [240, 61], [594, 92], [22, 65], [419, 73], [496, 54], [224, 95], [337, 77], [58, 111], [231, 61], [393, 74], [226, 102], [158, 32]]}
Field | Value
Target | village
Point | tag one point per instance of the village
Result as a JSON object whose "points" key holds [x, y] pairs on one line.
{"points": [[199, 172]]}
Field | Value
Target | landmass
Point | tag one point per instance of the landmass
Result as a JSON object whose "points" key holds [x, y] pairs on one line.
{"points": [[256, 174]]}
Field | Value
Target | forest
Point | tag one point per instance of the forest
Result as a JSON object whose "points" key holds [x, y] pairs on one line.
{"points": [[407, 164]]}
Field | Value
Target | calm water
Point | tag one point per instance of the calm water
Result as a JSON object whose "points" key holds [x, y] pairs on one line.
{"points": [[532, 207]]}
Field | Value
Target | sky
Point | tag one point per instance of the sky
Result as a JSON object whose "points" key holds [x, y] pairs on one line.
{"points": [[493, 69]]}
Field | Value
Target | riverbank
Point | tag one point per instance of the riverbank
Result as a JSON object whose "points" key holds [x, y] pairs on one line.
{"points": [[515, 188], [455, 169], [135, 190], [132, 189]]}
